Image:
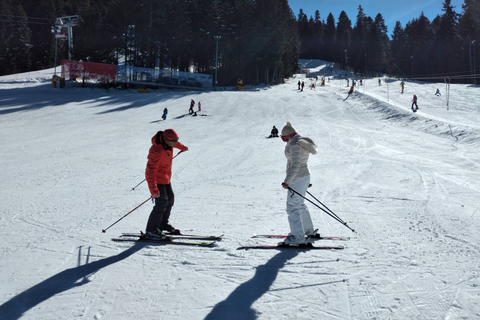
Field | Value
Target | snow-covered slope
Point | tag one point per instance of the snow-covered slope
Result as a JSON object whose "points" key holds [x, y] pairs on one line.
{"points": [[407, 183]]}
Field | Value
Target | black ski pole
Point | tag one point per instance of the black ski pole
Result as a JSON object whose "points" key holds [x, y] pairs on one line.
{"points": [[141, 204], [334, 216], [323, 205], [139, 184]]}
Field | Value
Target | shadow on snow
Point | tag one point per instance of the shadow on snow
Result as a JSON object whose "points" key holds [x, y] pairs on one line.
{"points": [[238, 305], [14, 308], [34, 98]]}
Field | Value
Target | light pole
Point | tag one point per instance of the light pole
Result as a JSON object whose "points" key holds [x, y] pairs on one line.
{"points": [[216, 61], [346, 59], [470, 58], [474, 73]]}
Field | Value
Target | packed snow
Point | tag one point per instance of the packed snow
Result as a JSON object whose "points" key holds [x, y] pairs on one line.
{"points": [[407, 183]]}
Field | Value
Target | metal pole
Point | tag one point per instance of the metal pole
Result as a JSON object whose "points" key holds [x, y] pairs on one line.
{"points": [[216, 62], [70, 42], [141, 204], [388, 92], [55, 70], [470, 58], [474, 71], [447, 91]]}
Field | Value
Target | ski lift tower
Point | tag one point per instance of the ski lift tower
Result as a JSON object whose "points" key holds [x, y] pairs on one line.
{"points": [[69, 22], [63, 24]]}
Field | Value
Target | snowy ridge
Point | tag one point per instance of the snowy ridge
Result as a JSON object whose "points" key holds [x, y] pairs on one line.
{"points": [[428, 123]]}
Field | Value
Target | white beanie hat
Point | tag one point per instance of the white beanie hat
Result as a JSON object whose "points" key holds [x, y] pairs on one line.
{"points": [[288, 129]]}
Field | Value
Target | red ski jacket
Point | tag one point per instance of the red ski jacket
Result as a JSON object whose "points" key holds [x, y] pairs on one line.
{"points": [[159, 164]]}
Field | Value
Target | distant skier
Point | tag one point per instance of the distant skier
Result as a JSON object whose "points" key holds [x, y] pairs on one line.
{"points": [[438, 92], [199, 106], [274, 133], [299, 84], [379, 82], [414, 103], [165, 112], [403, 85], [303, 85], [192, 104], [349, 92]]}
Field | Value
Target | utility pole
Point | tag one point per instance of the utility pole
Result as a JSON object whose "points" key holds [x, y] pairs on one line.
{"points": [[474, 71], [346, 59], [216, 61]]}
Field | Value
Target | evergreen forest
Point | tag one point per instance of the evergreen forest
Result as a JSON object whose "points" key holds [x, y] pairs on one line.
{"points": [[259, 41]]}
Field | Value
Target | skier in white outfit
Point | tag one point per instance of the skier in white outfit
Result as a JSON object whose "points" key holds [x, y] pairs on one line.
{"points": [[298, 178]]}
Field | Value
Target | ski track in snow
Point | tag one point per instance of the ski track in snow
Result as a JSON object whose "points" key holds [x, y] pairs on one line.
{"points": [[407, 183]]}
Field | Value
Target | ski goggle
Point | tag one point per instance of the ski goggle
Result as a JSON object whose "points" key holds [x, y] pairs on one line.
{"points": [[288, 136]]}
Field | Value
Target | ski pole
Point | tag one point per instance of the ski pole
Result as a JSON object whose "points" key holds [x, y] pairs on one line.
{"points": [[324, 205], [139, 184], [145, 179], [104, 230], [177, 154], [334, 216]]}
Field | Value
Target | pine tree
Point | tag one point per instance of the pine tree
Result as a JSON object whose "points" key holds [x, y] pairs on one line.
{"points": [[358, 55], [342, 38], [42, 39], [469, 30], [19, 47], [317, 34], [329, 33], [447, 40], [418, 53], [398, 46], [378, 44]]}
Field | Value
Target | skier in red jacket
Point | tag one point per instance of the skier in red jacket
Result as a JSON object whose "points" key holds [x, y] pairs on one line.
{"points": [[158, 174]]}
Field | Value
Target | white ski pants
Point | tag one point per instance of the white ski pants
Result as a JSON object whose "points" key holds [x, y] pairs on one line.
{"points": [[298, 214]]}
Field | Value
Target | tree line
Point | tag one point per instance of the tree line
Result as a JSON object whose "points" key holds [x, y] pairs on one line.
{"points": [[259, 41], [423, 49]]}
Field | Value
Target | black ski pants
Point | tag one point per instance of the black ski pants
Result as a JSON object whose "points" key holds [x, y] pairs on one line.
{"points": [[163, 206]]}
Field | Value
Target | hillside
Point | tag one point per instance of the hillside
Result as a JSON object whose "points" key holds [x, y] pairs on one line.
{"points": [[408, 183]]}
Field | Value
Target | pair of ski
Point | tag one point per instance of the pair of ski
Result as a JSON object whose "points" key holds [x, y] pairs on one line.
{"points": [[308, 246], [174, 239]]}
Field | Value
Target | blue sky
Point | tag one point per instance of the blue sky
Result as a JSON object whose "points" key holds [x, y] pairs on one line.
{"points": [[391, 10]]}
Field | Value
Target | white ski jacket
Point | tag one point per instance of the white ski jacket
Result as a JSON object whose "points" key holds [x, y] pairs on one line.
{"points": [[297, 151]]}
